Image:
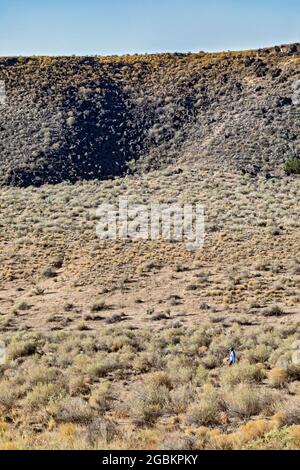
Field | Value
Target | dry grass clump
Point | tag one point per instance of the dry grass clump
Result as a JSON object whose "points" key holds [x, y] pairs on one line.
{"points": [[238, 439], [142, 362], [200, 376], [158, 379], [210, 362], [77, 384], [37, 371], [68, 430], [278, 377], [248, 433], [180, 369], [294, 433], [255, 429]]}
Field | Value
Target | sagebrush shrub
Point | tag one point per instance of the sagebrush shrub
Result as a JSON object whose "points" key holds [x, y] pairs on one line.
{"points": [[244, 400], [151, 397], [100, 397], [243, 372], [292, 166], [8, 394], [74, 410], [291, 411], [204, 411], [20, 348], [41, 395]]}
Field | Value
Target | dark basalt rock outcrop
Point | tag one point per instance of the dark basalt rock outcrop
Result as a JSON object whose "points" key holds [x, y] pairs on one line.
{"points": [[81, 118]]}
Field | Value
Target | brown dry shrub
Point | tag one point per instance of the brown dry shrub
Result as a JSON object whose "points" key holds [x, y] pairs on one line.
{"points": [[278, 377], [294, 433], [68, 430], [257, 428]]}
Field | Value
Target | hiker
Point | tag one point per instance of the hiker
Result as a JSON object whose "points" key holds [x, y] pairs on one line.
{"points": [[232, 356]]}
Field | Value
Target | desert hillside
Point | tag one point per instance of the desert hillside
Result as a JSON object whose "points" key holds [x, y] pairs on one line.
{"points": [[123, 344], [81, 118]]}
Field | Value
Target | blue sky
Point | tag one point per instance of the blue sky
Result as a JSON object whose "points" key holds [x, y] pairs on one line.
{"points": [[64, 27]]}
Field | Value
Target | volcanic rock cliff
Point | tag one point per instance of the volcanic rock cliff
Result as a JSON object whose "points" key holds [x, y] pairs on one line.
{"points": [[80, 118]]}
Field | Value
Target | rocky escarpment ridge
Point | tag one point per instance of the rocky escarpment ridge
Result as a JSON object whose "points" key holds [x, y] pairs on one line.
{"points": [[79, 118]]}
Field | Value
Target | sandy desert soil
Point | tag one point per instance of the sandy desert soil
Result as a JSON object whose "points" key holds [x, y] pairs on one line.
{"points": [[54, 269]]}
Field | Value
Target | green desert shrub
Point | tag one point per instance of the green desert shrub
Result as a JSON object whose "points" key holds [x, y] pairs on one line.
{"points": [[292, 166]]}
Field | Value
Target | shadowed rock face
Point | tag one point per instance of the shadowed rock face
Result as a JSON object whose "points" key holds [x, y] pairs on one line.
{"points": [[70, 119], [83, 138]]}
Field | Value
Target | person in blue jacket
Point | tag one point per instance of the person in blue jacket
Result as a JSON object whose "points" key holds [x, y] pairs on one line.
{"points": [[232, 356]]}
